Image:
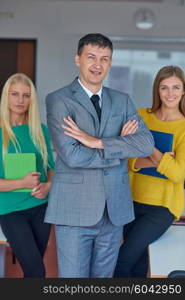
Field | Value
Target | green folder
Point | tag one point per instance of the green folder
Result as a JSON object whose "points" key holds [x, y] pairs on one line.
{"points": [[18, 165]]}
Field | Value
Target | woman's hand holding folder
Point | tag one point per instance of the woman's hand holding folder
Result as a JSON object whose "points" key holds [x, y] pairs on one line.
{"points": [[31, 180], [42, 189]]}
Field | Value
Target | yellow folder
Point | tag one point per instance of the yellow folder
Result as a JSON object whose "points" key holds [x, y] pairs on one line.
{"points": [[18, 165]]}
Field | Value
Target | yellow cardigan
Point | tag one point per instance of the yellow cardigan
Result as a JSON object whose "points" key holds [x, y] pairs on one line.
{"points": [[158, 191]]}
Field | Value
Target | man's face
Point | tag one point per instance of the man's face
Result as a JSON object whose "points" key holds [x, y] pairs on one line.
{"points": [[94, 63]]}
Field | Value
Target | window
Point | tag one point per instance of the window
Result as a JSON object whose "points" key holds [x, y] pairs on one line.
{"points": [[133, 70]]}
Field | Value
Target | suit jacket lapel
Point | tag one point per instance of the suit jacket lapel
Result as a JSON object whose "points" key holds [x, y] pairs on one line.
{"points": [[82, 97], [105, 110]]}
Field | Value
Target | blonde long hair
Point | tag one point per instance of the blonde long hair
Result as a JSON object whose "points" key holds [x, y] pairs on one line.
{"points": [[33, 118]]}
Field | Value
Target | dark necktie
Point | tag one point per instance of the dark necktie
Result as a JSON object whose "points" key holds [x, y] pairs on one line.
{"points": [[95, 100]]}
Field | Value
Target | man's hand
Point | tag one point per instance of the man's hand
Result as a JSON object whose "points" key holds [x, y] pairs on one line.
{"points": [[129, 128], [75, 132]]}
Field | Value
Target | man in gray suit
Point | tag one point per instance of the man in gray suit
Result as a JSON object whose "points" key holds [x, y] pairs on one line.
{"points": [[90, 197]]}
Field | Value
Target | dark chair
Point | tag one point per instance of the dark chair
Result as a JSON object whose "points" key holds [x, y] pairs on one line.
{"points": [[177, 274]]}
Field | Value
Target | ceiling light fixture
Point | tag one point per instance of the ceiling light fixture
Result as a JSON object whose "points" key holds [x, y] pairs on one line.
{"points": [[144, 19]]}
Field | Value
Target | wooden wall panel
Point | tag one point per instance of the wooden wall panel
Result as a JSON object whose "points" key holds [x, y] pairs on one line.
{"points": [[26, 58]]}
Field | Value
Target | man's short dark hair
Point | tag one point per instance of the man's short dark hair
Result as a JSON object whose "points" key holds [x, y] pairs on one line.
{"points": [[96, 39]]}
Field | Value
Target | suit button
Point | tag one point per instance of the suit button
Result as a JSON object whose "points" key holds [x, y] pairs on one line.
{"points": [[106, 172]]}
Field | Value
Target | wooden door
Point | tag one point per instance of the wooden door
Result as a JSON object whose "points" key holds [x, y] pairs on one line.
{"points": [[17, 56]]}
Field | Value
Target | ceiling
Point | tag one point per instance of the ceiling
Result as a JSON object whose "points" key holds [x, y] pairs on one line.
{"points": [[151, 1], [166, 2]]}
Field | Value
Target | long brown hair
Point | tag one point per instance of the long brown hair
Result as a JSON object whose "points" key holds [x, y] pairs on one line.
{"points": [[166, 72]]}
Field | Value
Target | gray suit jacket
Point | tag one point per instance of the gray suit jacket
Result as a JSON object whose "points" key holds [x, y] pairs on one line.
{"points": [[85, 179]]}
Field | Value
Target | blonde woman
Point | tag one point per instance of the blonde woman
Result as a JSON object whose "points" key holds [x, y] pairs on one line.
{"points": [[22, 213]]}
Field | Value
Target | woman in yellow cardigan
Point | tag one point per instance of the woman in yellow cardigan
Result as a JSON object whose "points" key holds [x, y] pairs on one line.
{"points": [[157, 201]]}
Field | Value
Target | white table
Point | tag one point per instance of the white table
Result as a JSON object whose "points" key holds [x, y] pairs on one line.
{"points": [[3, 244], [168, 252]]}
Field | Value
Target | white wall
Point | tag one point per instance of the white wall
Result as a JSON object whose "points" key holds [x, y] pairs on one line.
{"points": [[58, 25]]}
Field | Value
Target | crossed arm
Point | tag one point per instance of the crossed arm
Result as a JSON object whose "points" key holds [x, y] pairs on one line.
{"points": [[72, 130], [30, 181], [151, 161], [87, 140]]}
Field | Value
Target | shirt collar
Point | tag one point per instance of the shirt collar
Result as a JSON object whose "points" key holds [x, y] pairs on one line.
{"points": [[89, 93]]}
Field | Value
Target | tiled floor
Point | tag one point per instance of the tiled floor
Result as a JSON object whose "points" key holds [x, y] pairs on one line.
{"points": [[13, 270]]}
